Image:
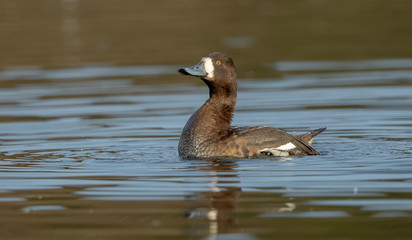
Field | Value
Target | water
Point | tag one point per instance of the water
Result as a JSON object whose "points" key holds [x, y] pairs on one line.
{"points": [[92, 107], [82, 154]]}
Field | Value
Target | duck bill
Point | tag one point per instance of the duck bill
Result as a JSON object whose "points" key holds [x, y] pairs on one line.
{"points": [[197, 70]]}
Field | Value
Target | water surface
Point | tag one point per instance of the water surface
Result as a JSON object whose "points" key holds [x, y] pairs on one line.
{"points": [[100, 156]]}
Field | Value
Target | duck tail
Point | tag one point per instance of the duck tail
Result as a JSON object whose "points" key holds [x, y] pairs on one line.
{"points": [[308, 137]]}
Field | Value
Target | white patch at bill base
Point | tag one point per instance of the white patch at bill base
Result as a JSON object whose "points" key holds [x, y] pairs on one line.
{"points": [[209, 68]]}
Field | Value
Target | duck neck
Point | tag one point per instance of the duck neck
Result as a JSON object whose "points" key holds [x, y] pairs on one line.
{"points": [[221, 104], [222, 110]]}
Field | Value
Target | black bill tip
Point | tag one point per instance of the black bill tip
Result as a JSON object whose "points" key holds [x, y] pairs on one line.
{"points": [[183, 71]]}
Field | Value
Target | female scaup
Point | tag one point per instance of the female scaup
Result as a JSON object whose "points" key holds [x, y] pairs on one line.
{"points": [[208, 132]]}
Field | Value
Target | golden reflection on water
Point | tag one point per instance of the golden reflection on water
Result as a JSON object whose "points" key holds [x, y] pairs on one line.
{"points": [[62, 213]]}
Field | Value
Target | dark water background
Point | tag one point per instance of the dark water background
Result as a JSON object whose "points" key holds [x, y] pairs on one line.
{"points": [[91, 109]]}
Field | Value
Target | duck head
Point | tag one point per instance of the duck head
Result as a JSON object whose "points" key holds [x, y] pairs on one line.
{"points": [[217, 70]]}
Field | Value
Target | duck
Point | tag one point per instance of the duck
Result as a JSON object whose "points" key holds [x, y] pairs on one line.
{"points": [[209, 134]]}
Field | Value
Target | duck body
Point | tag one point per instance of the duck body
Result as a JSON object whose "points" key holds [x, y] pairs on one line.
{"points": [[208, 132]]}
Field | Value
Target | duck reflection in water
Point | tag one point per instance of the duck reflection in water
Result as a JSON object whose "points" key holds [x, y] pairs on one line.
{"points": [[219, 207]]}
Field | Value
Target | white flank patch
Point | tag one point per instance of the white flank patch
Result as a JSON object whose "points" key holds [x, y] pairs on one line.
{"points": [[274, 152], [209, 67], [287, 146]]}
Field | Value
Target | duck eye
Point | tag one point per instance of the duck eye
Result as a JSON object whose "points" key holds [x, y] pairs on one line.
{"points": [[218, 63]]}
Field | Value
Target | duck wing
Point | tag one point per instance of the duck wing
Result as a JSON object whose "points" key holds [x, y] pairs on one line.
{"points": [[273, 141]]}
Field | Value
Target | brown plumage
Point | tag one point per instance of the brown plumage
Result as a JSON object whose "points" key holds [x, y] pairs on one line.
{"points": [[208, 132]]}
